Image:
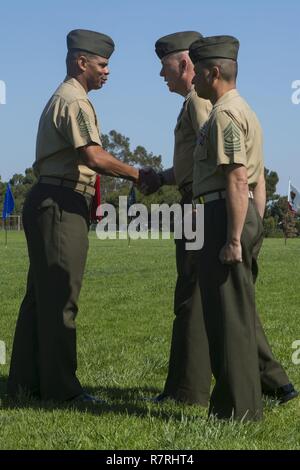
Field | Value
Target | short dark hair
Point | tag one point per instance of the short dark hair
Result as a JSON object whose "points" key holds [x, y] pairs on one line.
{"points": [[228, 68], [73, 55]]}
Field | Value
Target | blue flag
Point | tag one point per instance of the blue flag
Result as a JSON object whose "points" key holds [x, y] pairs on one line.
{"points": [[131, 197], [9, 203]]}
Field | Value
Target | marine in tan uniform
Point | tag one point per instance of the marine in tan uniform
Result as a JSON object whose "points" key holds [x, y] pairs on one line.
{"points": [[228, 166], [189, 376], [56, 223]]}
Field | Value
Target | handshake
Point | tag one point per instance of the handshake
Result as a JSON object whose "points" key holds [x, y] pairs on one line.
{"points": [[150, 181]]}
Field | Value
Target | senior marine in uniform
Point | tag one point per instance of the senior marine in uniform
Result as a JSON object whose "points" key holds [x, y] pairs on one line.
{"points": [[56, 222], [189, 374], [228, 168]]}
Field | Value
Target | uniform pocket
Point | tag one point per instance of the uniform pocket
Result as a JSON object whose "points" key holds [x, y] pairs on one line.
{"points": [[260, 220], [48, 210], [253, 227], [49, 202]]}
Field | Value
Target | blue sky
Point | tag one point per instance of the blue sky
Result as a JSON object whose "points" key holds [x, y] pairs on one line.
{"points": [[136, 101]]}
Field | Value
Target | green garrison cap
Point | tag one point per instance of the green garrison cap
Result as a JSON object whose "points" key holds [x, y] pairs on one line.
{"points": [[225, 47], [175, 42], [91, 41]]}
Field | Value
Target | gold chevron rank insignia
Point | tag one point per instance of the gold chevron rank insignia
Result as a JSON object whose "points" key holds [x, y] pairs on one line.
{"points": [[232, 139], [84, 124]]}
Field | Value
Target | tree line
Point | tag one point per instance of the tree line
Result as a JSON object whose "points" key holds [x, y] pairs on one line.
{"points": [[275, 218]]}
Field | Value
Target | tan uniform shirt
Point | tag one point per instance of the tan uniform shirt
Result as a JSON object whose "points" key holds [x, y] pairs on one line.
{"points": [[193, 115], [231, 135], [68, 122]]}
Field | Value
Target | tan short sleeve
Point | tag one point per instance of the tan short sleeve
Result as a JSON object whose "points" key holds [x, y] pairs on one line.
{"points": [[78, 124], [227, 140]]}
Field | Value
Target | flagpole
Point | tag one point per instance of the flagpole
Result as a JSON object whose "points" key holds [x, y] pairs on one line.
{"points": [[5, 229], [128, 234], [288, 210], [8, 207]]}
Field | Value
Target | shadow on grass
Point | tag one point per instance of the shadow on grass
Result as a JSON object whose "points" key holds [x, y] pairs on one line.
{"points": [[128, 401]]}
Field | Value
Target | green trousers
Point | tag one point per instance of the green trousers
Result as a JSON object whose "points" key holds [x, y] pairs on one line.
{"points": [[228, 307], [189, 373], [43, 363]]}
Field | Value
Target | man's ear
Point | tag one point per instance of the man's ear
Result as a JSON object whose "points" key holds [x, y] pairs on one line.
{"points": [[183, 66], [215, 73], [81, 63]]}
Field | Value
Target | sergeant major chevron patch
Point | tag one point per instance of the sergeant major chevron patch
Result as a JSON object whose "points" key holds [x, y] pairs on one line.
{"points": [[232, 139], [84, 123]]}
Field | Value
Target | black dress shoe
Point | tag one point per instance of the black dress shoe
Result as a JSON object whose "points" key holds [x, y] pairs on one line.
{"points": [[161, 398], [283, 394], [85, 398]]}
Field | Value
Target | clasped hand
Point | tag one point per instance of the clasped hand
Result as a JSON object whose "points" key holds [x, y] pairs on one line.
{"points": [[149, 181]]}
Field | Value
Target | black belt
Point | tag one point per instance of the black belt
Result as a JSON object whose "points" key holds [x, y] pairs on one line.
{"points": [[76, 186], [214, 196]]}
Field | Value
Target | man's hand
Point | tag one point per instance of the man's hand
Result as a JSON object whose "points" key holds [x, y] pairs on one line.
{"points": [[149, 181], [236, 205], [231, 253]]}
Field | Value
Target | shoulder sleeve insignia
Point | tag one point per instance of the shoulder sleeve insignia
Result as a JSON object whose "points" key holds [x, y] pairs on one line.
{"points": [[232, 138], [84, 124]]}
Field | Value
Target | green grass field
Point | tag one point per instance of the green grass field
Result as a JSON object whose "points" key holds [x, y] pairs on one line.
{"points": [[124, 329]]}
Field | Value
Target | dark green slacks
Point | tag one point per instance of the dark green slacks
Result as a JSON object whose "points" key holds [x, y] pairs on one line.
{"points": [[272, 374], [56, 222], [228, 306], [189, 373]]}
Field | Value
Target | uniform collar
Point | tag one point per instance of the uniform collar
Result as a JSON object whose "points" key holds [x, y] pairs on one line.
{"points": [[229, 95], [186, 98], [189, 94], [73, 82]]}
